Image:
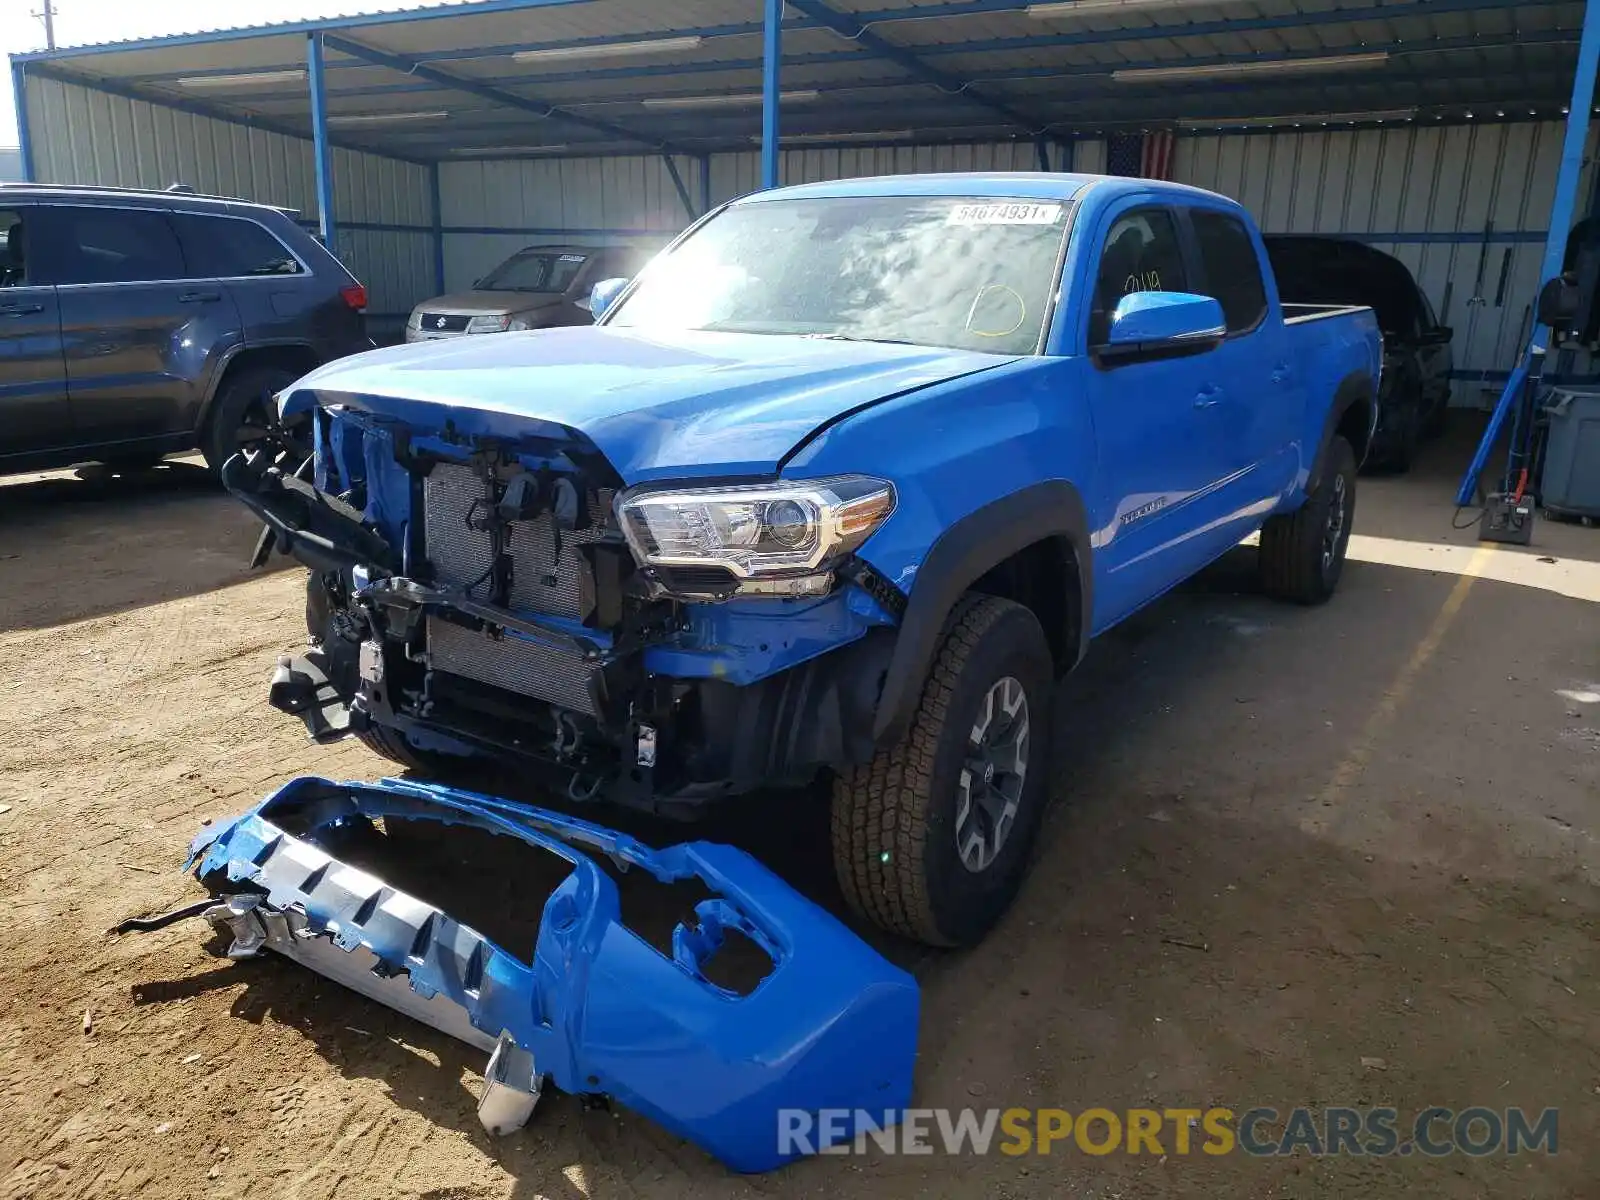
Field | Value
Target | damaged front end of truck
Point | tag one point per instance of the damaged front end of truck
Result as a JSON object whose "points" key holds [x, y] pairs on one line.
{"points": [[488, 584], [592, 1006]]}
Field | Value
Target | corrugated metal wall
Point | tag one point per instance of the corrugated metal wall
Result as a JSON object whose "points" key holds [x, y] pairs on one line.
{"points": [[493, 209], [89, 137], [1464, 207]]}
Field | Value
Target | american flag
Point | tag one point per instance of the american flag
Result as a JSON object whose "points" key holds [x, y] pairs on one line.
{"points": [[1141, 155]]}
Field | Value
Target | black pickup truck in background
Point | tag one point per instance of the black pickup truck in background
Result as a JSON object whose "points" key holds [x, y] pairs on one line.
{"points": [[135, 324], [1417, 358]]}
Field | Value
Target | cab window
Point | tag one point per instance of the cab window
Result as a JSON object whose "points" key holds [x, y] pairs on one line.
{"points": [[1233, 271], [1142, 253]]}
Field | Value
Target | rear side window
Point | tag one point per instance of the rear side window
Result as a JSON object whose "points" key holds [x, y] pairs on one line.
{"points": [[13, 248], [1142, 254], [105, 245], [229, 247], [1233, 272]]}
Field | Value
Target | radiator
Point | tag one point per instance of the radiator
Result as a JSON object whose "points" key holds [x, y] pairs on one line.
{"points": [[543, 581]]}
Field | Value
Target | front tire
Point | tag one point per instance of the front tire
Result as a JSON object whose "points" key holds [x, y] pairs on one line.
{"points": [[244, 417], [1302, 553], [932, 837]]}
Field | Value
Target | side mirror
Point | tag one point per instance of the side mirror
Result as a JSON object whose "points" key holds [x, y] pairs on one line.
{"points": [[1156, 323], [603, 296], [1439, 335]]}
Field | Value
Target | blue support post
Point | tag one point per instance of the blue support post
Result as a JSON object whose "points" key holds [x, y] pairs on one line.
{"points": [[319, 136], [705, 183], [771, 61], [1069, 155], [1555, 245], [1041, 146], [19, 85], [438, 229]]}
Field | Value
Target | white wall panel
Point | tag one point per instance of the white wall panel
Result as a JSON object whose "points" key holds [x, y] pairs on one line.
{"points": [[1450, 199], [735, 175]]}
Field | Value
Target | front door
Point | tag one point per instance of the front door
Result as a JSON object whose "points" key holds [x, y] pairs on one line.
{"points": [[1257, 402], [1156, 455], [136, 333], [34, 414]]}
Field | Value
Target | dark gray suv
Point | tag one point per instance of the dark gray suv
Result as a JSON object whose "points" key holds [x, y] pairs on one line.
{"points": [[136, 324]]}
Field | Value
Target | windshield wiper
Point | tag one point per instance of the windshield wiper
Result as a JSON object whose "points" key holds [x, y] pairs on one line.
{"points": [[856, 337]]}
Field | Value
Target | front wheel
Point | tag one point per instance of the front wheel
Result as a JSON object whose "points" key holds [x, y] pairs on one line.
{"points": [[932, 837], [244, 416], [1302, 553]]}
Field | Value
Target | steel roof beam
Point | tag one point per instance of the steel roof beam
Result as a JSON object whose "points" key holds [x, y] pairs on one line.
{"points": [[846, 25], [410, 66], [1087, 71], [1406, 8]]}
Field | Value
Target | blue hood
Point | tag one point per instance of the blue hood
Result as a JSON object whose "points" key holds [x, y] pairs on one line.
{"points": [[657, 405]]}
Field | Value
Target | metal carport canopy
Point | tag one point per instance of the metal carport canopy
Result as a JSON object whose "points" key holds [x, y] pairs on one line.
{"points": [[512, 78]]}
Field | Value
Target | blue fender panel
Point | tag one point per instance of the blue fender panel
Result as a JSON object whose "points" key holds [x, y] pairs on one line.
{"points": [[602, 1012]]}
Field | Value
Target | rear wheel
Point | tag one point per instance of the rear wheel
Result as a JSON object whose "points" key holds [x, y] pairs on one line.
{"points": [[1302, 553], [931, 839], [244, 416]]}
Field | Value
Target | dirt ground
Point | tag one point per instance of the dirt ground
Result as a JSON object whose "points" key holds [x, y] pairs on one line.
{"points": [[1332, 856]]}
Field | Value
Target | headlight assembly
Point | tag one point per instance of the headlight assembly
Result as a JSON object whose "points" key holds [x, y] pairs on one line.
{"points": [[772, 538], [491, 324]]}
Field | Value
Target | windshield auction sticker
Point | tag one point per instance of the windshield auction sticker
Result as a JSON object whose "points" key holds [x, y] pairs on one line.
{"points": [[1004, 214]]}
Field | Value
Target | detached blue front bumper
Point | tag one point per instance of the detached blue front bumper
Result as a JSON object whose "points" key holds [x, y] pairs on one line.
{"points": [[595, 1009]]}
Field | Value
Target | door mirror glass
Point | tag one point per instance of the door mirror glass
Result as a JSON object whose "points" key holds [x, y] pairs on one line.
{"points": [[1439, 335], [603, 296], [1155, 323]]}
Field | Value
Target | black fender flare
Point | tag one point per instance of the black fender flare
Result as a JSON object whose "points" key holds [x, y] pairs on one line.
{"points": [[227, 359], [1355, 388], [962, 555]]}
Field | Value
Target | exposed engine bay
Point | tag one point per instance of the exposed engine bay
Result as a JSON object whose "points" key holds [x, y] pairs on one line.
{"points": [[479, 596]]}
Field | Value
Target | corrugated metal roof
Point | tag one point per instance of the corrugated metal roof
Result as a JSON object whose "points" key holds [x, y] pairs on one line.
{"points": [[936, 67]]}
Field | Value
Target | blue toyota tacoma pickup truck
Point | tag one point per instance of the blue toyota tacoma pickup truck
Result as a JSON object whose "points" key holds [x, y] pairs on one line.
{"points": [[839, 484]]}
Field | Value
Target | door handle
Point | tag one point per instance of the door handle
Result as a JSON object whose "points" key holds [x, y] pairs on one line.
{"points": [[1209, 396], [199, 297], [1282, 373], [19, 309]]}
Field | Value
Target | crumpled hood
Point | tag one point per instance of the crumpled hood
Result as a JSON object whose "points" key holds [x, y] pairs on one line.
{"points": [[657, 405]]}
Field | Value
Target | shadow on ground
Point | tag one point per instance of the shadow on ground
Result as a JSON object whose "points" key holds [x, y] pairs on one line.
{"points": [[146, 536]]}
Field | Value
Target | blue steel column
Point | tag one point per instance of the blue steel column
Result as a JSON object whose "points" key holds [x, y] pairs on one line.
{"points": [[438, 229], [772, 57], [1041, 147], [705, 183], [19, 84], [1555, 244], [319, 138]]}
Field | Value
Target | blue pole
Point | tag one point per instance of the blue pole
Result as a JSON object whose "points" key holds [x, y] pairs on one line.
{"points": [[1555, 244], [438, 229], [1041, 147], [319, 137], [772, 57], [705, 183], [19, 85]]}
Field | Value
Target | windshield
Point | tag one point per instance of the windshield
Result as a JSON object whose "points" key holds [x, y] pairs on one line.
{"points": [[534, 271], [971, 274]]}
